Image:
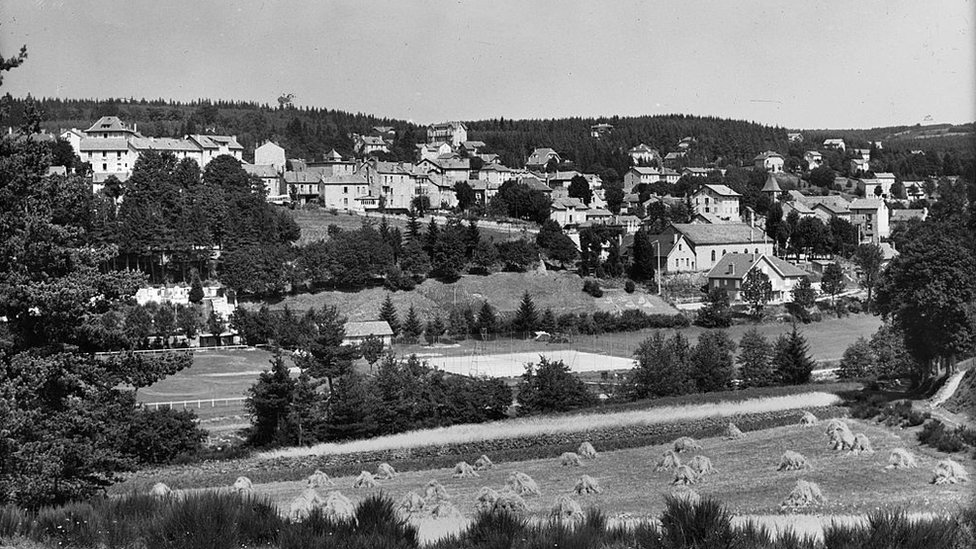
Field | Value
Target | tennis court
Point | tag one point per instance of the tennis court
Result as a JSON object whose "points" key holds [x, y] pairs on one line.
{"points": [[513, 364]]}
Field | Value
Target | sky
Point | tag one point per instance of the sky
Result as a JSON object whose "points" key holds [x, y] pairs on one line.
{"points": [[796, 63]]}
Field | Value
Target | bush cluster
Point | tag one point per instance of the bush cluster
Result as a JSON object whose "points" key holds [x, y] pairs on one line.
{"points": [[592, 287], [946, 439]]}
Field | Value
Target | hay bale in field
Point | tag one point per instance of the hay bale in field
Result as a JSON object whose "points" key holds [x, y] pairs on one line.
{"points": [[565, 509], [685, 475], [385, 471], [160, 491], [365, 480], [834, 424], [243, 486], [586, 450], [862, 445], [523, 485], [804, 493], [435, 491], [668, 462], [686, 444], [511, 502], [338, 506], [303, 504], [950, 472], [445, 509], [464, 470], [570, 459], [484, 463], [702, 466], [808, 419], [792, 461], [587, 485], [901, 458], [318, 479], [842, 439], [732, 432], [486, 499], [412, 503]]}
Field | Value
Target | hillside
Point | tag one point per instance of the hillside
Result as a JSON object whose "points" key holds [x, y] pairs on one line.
{"points": [[560, 291], [963, 401]]}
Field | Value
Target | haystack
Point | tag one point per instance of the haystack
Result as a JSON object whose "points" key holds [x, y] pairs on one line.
{"points": [[510, 502], [862, 445], [792, 461], [365, 480], [523, 485], [338, 506], [484, 463], [565, 509], [586, 450], [444, 509], [587, 485], [950, 472], [842, 439], [303, 504], [686, 444], [834, 424], [486, 499], [702, 466], [901, 458], [243, 485], [385, 471], [669, 461], [732, 432], [570, 459], [318, 479], [160, 491], [685, 475], [808, 419], [412, 503], [464, 470], [804, 493], [435, 491]]}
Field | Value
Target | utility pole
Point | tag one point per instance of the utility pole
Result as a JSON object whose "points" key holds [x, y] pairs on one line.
{"points": [[657, 273]]}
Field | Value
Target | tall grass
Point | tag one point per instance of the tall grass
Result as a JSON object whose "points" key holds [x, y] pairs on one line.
{"points": [[225, 520], [574, 423]]}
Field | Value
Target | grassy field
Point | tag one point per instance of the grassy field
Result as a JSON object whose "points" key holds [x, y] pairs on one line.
{"points": [[747, 479], [315, 224]]}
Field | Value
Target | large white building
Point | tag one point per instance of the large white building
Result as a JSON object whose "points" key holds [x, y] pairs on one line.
{"points": [[717, 200], [112, 148], [453, 133]]}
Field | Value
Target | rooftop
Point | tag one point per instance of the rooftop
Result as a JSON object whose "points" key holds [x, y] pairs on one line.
{"points": [[732, 233], [365, 328]]}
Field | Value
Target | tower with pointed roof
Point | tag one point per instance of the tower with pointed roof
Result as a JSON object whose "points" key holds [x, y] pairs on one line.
{"points": [[772, 187]]}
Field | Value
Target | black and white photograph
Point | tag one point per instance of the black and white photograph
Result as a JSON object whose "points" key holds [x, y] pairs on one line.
{"points": [[459, 274]]}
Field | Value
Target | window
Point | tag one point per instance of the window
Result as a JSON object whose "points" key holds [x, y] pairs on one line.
{"points": [[345, 190], [104, 167], [723, 253], [104, 154], [757, 251], [713, 255]]}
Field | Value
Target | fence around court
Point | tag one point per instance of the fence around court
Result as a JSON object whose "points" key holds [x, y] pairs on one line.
{"points": [[198, 404]]}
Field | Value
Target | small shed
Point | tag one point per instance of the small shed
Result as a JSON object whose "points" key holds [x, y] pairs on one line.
{"points": [[356, 332]]}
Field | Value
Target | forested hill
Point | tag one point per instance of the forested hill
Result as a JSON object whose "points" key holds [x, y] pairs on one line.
{"points": [[311, 132]]}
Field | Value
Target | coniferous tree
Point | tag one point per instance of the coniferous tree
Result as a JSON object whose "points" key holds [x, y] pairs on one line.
{"points": [[548, 321], [196, 287], [832, 282], [791, 359], [487, 320], [712, 363], [413, 226], [526, 317], [434, 330], [412, 327], [755, 360], [389, 313], [269, 405], [485, 257]]}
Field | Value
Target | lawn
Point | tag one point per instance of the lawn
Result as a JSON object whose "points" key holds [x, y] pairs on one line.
{"points": [[747, 480], [315, 224]]}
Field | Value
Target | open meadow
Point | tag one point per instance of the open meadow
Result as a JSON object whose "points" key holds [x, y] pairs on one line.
{"points": [[315, 222], [746, 479]]}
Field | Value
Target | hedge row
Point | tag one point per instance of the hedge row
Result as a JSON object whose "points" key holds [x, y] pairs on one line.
{"points": [[502, 450]]}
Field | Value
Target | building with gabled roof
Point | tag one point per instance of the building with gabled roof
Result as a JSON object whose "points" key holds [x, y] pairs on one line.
{"points": [[870, 216], [695, 247], [357, 331], [540, 157], [814, 159], [370, 144], [642, 154], [568, 211], [271, 153], [771, 161], [771, 187], [453, 133], [718, 201], [108, 127], [835, 143], [341, 191], [731, 271]]}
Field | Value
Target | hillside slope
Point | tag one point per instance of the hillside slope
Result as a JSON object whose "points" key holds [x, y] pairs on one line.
{"points": [[560, 291], [963, 401]]}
